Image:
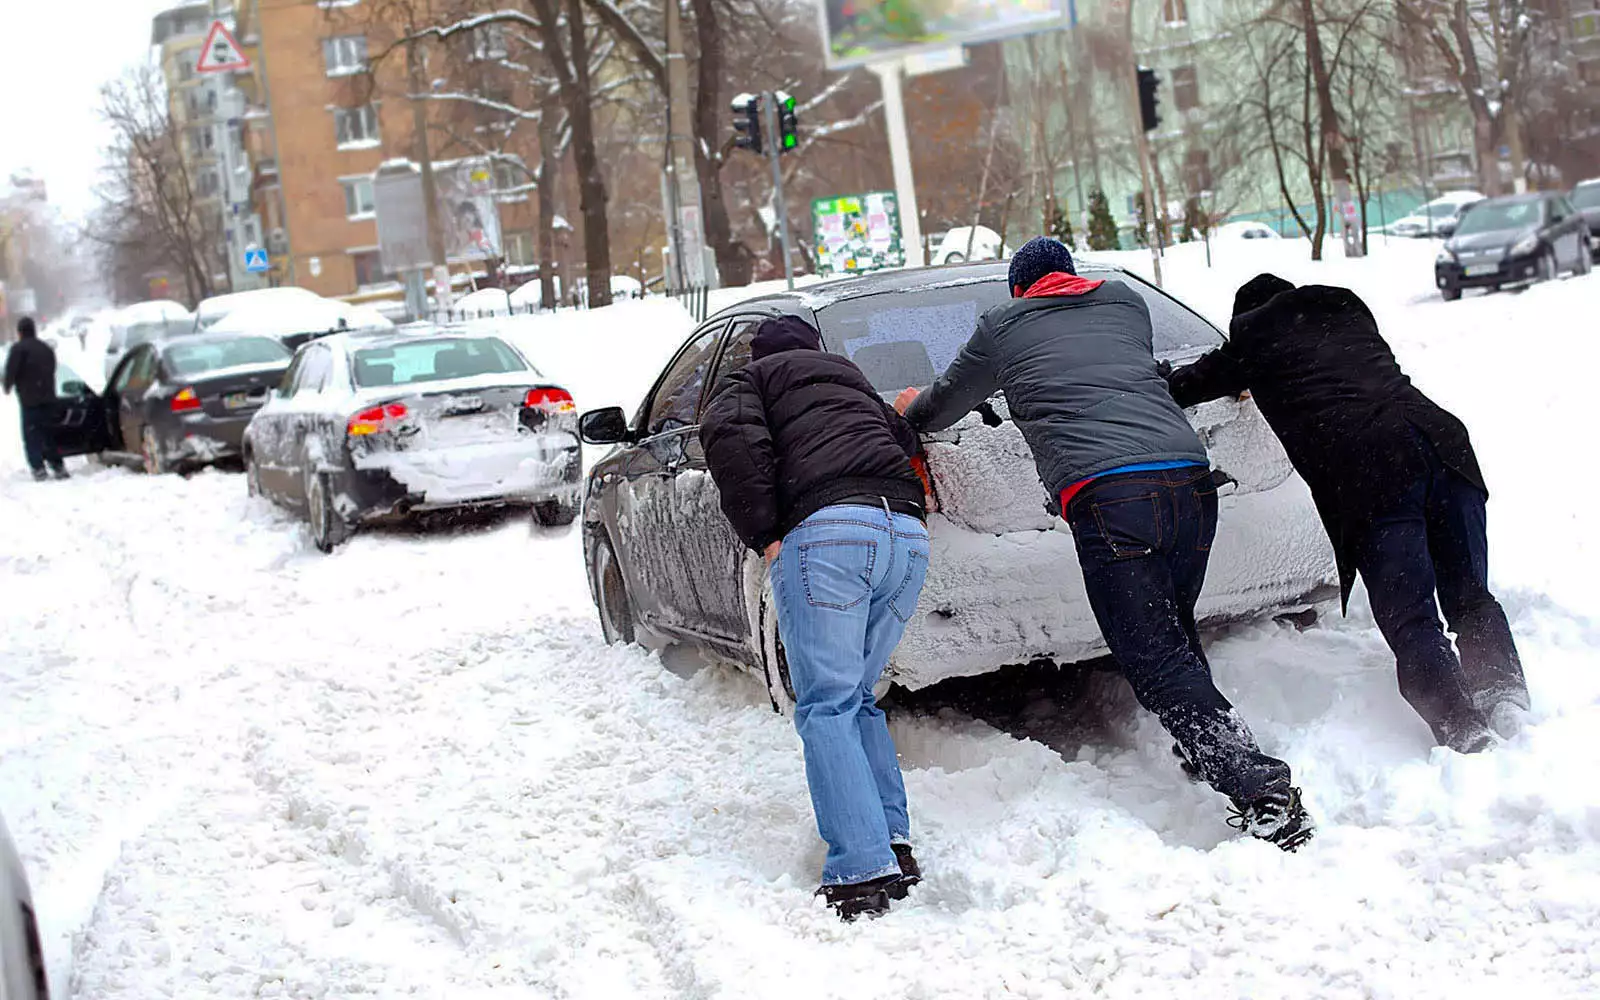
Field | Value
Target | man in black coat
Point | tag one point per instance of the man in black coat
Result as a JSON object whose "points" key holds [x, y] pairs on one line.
{"points": [[1075, 360], [31, 371], [814, 469], [1396, 483]]}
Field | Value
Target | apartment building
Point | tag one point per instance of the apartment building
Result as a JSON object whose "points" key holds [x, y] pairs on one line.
{"points": [[332, 105]]}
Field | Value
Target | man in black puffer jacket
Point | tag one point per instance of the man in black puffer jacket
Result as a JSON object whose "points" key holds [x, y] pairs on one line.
{"points": [[1397, 485], [815, 472], [1074, 359], [31, 372]]}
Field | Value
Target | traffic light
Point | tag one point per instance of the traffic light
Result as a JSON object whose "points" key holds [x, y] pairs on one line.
{"points": [[788, 125], [1149, 106], [747, 122]]}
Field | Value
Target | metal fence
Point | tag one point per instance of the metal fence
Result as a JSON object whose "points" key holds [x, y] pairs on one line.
{"points": [[696, 301], [457, 315]]}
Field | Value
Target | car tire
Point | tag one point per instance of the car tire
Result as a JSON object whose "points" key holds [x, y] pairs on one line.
{"points": [[1450, 293], [554, 513], [150, 453], [329, 529], [611, 599], [774, 660]]}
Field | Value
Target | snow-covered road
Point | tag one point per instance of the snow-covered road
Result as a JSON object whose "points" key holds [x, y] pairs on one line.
{"points": [[238, 768]]}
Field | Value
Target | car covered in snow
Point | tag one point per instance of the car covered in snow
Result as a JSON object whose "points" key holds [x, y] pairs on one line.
{"points": [[1246, 230], [380, 426], [142, 323], [22, 969], [1515, 240], [293, 315], [171, 405], [965, 243], [1437, 218], [1003, 585]]}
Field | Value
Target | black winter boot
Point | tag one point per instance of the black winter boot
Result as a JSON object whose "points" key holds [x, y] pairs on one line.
{"points": [[854, 899], [1276, 817], [910, 871]]}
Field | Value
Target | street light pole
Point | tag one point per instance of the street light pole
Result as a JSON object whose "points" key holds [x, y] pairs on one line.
{"points": [[780, 207]]}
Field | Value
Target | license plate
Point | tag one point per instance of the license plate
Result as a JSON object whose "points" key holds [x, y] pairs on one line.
{"points": [[237, 400], [1474, 270]]}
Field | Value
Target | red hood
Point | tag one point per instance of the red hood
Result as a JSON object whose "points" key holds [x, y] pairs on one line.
{"points": [[1061, 283]]}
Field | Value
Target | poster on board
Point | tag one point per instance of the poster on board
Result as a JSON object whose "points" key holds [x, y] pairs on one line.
{"points": [[857, 32], [857, 233]]}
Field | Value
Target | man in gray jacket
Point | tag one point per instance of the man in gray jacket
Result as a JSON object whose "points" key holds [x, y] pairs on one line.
{"points": [[1075, 362]]}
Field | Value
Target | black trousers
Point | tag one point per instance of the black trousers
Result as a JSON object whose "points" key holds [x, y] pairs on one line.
{"points": [[1144, 539], [38, 437], [1434, 541]]}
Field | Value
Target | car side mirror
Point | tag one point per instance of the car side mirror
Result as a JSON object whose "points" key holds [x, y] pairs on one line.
{"points": [[73, 387], [607, 426]]}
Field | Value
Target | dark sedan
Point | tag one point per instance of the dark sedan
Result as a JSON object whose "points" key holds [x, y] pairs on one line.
{"points": [[172, 406], [1586, 199], [1516, 240], [379, 426]]}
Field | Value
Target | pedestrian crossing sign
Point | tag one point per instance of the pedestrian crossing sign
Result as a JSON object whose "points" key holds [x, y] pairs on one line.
{"points": [[255, 260]]}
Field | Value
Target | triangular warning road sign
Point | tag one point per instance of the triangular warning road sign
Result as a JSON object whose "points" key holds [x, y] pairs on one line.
{"points": [[220, 53]]}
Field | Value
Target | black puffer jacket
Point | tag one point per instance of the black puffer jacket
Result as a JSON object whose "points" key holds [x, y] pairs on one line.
{"points": [[798, 429], [31, 371], [1329, 386]]}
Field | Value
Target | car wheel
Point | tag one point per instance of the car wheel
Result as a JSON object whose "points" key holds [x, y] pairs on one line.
{"points": [[774, 661], [328, 529], [1450, 293], [611, 595], [150, 451], [554, 513]]}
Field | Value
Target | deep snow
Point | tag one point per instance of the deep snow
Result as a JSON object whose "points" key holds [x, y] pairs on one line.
{"points": [[238, 768]]}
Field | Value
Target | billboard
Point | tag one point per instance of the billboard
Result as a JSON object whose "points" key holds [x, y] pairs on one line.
{"points": [[857, 32], [468, 212], [857, 233]]}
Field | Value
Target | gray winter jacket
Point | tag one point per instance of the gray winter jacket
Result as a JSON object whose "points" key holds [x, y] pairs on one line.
{"points": [[1079, 374]]}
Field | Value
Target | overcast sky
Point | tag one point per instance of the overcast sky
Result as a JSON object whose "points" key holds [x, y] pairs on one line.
{"points": [[54, 56]]}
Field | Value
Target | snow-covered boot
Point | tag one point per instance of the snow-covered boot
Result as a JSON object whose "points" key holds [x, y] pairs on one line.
{"points": [[1470, 735], [1184, 762], [854, 899], [910, 871], [1278, 817]]}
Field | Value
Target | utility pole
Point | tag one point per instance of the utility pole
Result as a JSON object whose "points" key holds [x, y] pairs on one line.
{"points": [[779, 207], [905, 187], [1141, 140], [430, 193], [687, 224]]}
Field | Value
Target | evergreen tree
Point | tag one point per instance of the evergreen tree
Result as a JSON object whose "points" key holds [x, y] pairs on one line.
{"points": [[1061, 227], [1102, 227]]}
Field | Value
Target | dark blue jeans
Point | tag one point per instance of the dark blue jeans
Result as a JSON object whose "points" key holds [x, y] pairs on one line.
{"points": [[1435, 541], [38, 437], [1144, 539]]}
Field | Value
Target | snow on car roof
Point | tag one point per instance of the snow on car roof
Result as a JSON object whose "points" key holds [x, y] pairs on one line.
{"points": [[154, 311], [220, 305], [293, 314]]}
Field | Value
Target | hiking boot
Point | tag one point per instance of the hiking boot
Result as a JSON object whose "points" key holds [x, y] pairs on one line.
{"points": [[854, 899], [1183, 762], [910, 871], [1277, 817]]}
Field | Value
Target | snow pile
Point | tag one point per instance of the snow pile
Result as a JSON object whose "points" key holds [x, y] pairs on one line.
{"points": [[237, 768]]}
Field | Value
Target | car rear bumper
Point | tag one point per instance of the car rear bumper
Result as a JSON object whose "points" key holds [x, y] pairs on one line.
{"points": [[192, 439], [527, 470], [992, 600]]}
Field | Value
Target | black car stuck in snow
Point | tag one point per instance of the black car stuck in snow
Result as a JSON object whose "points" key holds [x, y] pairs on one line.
{"points": [[379, 426]]}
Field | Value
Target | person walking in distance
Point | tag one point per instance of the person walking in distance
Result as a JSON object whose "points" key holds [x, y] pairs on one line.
{"points": [[31, 373], [814, 471], [1074, 358], [1397, 484]]}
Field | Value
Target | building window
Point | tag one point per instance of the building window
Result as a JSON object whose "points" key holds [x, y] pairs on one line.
{"points": [[1175, 12], [206, 183], [358, 203], [519, 249], [369, 268], [508, 177], [356, 127], [345, 54], [489, 42], [201, 140], [1185, 88]]}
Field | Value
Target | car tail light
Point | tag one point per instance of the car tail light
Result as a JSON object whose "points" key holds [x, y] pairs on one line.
{"points": [[374, 419], [549, 400], [185, 400]]}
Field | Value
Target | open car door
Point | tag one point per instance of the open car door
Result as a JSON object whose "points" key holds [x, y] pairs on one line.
{"points": [[80, 427]]}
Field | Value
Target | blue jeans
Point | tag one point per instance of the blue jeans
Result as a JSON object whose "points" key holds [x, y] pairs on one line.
{"points": [[1435, 539], [1144, 539], [846, 583]]}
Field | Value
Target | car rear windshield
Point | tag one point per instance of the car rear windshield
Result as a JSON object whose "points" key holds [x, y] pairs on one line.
{"points": [[1586, 195], [212, 355], [435, 360], [1492, 218], [908, 338]]}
